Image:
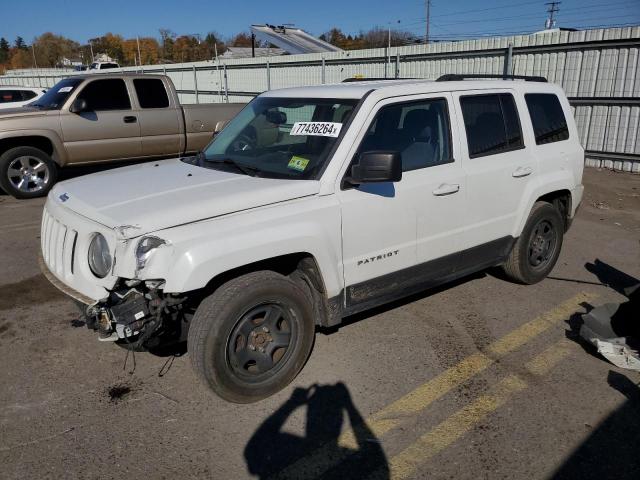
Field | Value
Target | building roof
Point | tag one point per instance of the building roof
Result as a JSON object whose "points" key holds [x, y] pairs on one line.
{"points": [[245, 52]]}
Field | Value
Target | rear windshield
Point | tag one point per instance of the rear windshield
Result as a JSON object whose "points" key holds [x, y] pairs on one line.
{"points": [[58, 94]]}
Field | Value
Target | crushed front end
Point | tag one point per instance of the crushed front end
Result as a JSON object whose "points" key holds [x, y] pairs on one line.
{"points": [[139, 314]]}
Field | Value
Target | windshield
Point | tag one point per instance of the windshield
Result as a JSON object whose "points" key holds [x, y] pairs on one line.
{"points": [[57, 95], [280, 137]]}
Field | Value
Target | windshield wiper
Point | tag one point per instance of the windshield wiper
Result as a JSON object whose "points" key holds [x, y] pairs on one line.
{"points": [[246, 169]]}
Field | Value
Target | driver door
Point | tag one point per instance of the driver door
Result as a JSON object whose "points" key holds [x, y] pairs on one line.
{"points": [[108, 129], [392, 231]]}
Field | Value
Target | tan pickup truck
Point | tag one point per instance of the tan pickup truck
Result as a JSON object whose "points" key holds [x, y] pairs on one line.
{"points": [[100, 118]]}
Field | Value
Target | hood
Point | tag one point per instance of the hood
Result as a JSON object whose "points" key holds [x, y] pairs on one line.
{"points": [[19, 112], [152, 196]]}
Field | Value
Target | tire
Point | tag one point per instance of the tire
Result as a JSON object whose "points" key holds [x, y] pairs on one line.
{"points": [[237, 337], [537, 249], [27, 172]]}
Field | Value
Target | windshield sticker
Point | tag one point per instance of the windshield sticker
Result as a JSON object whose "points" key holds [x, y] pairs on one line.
{"points": [[298, 163], [65, 89], [318, 129]]}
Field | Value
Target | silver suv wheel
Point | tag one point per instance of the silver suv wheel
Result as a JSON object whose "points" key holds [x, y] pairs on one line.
{"points": [[28, 174]]}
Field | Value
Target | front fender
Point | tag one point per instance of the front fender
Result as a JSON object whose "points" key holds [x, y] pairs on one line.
{"points": [[59, 153], [197, 253]]}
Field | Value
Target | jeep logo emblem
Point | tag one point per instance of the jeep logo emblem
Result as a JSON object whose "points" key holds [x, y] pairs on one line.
{"points": [[64, 197]]}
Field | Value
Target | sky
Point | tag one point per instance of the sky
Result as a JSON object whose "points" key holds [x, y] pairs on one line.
{"points": [[81, 20]]}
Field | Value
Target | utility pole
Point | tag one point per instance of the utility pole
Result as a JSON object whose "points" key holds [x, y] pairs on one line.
{"points": [[139, 56], [33, 51], [91, 48], [553, 9], [427, 6]]}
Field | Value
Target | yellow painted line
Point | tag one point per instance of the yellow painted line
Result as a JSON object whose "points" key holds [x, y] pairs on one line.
{"points": [[544, 362], [323, 458], [407, 462]]}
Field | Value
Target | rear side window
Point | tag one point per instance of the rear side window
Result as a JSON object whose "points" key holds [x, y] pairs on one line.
{"points": [[151, 93], [104, 95], [547, 117], [492, 124]]}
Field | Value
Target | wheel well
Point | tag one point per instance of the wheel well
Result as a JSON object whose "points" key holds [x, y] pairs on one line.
{"points": [[42, 143], [561, 199], [286, 265]]}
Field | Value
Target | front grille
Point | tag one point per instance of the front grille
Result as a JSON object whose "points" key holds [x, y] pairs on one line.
{"points": [[58, 245]]}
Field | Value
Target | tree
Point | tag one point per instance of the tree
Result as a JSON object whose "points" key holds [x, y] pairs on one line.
{"points": [[21, 58], [149, 49], [4, 50], [110, 44], [19, 43], [50, 49], [241, 40], [167, 40]]}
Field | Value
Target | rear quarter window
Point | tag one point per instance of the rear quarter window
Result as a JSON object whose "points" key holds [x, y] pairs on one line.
{"points": [[151, 93], [547, 118]]}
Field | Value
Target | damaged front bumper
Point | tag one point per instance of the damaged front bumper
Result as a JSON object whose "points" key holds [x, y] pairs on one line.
{"points": [[137, 315]]}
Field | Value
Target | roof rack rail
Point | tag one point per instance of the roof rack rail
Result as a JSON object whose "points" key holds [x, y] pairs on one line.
{"points": [[372, 79], [452, 77]]}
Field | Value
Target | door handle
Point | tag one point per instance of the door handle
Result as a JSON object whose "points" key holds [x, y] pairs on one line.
{"points": [[130, 119], [446, 189], [522, 172]]}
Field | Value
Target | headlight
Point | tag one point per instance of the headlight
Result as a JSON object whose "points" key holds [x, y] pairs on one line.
{"points": [[146, 246], [99, 256]]}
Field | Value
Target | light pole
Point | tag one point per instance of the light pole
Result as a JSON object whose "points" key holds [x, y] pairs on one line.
{"points": [[388, 47]]}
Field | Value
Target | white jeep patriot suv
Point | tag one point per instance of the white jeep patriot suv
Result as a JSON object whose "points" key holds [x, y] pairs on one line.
{"points": [[312, 204]]}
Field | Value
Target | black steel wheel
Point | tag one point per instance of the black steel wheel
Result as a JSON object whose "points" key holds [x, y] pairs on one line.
{"points": [[537, 249], [251, 337]]}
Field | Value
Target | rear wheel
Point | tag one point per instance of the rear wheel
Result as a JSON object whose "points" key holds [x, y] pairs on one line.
{"points": [[537, 249], [27, 172], [252, 336]]}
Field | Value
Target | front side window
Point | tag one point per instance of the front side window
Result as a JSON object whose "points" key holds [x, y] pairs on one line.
{"points": [[103, 95], [151, 93], [419, 131], [280, 137], [10, 96], [57, 95], [547, 117], [491, 123]]}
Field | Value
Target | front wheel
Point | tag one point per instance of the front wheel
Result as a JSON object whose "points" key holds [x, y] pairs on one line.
{"points": [[537, 249], [27, 172], [251, 337]]}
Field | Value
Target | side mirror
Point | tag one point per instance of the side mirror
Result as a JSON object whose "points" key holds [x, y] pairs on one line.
{"points": [[219, 126], [79, 105], [377, 166]]}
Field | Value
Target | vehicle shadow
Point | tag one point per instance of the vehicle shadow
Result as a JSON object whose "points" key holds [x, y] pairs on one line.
{"points": [[270, 450], [611, 451]]}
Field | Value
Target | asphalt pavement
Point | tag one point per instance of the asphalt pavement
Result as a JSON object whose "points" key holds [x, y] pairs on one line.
{"points": [[479, 379]]}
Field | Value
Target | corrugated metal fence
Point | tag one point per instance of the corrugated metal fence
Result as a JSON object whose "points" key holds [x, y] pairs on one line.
{"points": [[598, 69]]}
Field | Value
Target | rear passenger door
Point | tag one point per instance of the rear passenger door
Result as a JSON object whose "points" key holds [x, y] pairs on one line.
{"points": [[109, 129], [498, 167], [161, 128]]}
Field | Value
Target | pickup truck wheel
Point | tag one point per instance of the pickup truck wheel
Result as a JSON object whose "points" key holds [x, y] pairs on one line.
{"points": [[251, 337], [27, 172], [536, 251]]}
